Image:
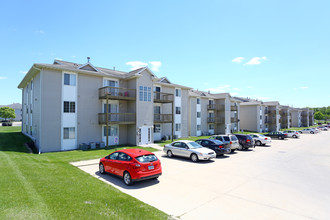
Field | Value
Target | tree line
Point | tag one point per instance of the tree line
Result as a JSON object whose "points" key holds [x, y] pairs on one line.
{"points": [[322, 113]]}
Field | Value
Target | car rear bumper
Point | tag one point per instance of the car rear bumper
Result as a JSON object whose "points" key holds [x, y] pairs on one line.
{"points": [[266, 141], [223, 151], [147, 177]]}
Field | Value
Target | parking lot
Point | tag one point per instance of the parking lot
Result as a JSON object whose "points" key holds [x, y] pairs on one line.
{"points": [[288, 180]]}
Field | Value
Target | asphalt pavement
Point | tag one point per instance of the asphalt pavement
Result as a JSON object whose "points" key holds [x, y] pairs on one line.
{"points": [[289, 179]]}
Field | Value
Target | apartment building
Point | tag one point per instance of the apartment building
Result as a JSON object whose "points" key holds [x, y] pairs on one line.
{"points": [[296, 117], [285, 119], [212, 113], [66, 104], [305, 117], [252, 116], [272, 115]]}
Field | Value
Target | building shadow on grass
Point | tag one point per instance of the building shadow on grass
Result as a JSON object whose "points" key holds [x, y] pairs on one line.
{"points": [[118, 181]]}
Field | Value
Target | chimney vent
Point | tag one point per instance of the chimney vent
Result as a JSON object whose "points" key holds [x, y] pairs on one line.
{"points": [[88, 58]]}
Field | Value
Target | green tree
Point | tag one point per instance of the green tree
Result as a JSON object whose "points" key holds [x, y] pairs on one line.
{"points": [[318, 116], [7, 113]]}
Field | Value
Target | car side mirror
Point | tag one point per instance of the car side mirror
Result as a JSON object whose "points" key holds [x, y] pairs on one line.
{"points": [[107, 157], [187, 147]]}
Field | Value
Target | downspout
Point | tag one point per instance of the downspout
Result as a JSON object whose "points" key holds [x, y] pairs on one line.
{"points": [[39, 148]]}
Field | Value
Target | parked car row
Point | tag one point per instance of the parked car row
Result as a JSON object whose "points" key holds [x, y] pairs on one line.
{"points": [[134, 165]]}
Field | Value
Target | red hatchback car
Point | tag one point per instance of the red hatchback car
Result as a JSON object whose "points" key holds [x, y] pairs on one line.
{"points": [[132, 165]]}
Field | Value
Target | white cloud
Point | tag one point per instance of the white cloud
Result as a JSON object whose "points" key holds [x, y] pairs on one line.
{"points": [[57, 58], [236, 89], [136, 64], [23, 72], [304, 87], [73, 56], [256, 60], [238, 59], [155, 65], [3, 77], [219, 89], [40, 32]]}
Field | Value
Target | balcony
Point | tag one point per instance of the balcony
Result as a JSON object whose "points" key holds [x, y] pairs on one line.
{"points": [[117, 118], [117, 93], [161, 97], [216, 107], [270, 121], [218, 120], [271, 112], [283, 114], [163, 118], [233, 108]]}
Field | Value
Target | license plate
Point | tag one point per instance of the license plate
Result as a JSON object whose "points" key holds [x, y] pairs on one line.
{"points": [[151, 167]]}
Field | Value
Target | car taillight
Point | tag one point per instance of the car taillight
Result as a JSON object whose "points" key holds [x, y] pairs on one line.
{"points": [[266, 138], [296, 132], [220, 146], [285, 134], [231, 142], [247, 140], [136, 165]]}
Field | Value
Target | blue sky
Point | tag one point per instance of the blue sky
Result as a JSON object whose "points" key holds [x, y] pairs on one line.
{"points": [[271, 50]]}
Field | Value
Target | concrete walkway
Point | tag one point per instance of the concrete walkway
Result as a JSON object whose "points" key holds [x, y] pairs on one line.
{"points": [[288, 180]]}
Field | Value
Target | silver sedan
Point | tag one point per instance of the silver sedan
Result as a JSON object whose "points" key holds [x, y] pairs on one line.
{"points": [[189, 149]]}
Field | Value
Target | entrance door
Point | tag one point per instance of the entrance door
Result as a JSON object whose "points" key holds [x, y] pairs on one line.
{"points": [[145, 135], [112, 108], [113, 134]]}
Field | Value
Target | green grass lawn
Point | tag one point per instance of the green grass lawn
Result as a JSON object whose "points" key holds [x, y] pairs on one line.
{"points": [[46, 186]]}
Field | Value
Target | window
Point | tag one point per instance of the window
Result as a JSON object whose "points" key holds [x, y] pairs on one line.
{"points": [[198, 101], [156, 128], [69, 79], [178, 110], [145, 94], [141, 93], [177, 127], [178, 144], [69, 133], [149, 134], [112, 131], [114, 156], [156, 109], [146, 158], [211, 126], [69, 107], [149, 94], [123, 157], [198, 127], [178, 92], [198, 114]]}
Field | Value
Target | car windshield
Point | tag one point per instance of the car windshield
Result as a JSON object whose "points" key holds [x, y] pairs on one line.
{"points": [[234, 138], [146, 158], [226, 138], [193, 145]]}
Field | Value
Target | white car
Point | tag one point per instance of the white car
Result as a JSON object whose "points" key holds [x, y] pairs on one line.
{"points": [[292, 133], [309, 131], [189, 149], [260, 139]]}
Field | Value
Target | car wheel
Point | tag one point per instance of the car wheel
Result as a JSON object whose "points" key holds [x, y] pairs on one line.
{"points": [[169, 153], [240, 147], [232, 150], [101, 169], [194, 158], [258, 143], [281, 138], [294, 136], [127, 178], [312, 132]]}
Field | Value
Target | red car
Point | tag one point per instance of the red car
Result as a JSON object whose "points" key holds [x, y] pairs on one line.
{"points": [[132, 165]]}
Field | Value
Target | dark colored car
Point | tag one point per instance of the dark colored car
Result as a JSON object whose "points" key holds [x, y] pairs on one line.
{"points": [[245, 141], [218, 146], [221, 138], [132, 165], [277, 134]]}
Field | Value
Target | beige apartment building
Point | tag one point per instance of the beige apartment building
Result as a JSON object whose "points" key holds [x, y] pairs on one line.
{"points": [[296, 117], [285, 117], [66, 104], [212, 113]]}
